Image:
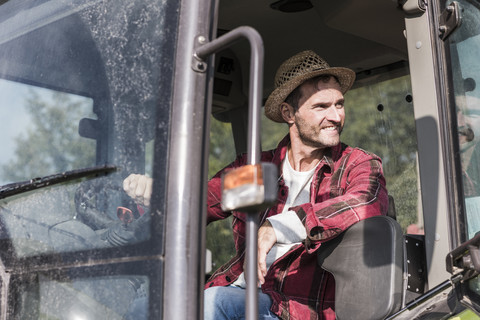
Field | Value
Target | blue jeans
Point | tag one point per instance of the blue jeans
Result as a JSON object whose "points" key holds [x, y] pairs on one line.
{"points": [[228, 303]]}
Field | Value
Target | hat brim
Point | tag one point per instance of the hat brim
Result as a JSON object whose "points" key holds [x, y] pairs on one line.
{"points": [[345, 76]]}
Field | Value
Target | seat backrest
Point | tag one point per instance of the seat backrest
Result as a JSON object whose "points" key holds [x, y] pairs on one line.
{"points": [[367, 263]]}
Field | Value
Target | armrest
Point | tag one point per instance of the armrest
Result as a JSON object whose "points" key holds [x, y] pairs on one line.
{"points": [[366, 261]]}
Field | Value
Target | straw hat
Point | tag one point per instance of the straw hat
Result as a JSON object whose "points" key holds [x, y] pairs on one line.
{"points": [[296, 70]]}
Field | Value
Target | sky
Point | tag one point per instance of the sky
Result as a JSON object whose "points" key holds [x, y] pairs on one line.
{"points": [[15, 119], [13, 115]]}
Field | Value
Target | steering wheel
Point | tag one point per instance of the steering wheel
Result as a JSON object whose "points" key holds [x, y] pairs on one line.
{"points": [[90, 204]]}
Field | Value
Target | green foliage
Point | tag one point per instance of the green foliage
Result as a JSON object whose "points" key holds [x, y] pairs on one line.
{"points": [[220, 242], [379, 119], [405, 192], [51, 143], [222, 152], [272, 133], [222, 148]]}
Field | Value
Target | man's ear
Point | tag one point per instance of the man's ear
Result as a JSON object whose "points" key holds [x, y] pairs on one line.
{"points": [[288, 114]]}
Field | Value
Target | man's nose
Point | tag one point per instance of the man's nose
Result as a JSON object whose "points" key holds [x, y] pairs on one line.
{"points": [[333, 114]]}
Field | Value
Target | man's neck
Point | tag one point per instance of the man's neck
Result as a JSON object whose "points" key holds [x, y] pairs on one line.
{"points": [[304, 158]]}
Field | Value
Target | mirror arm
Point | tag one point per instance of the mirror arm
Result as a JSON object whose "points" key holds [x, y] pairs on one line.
{"points": [[200, 55]]}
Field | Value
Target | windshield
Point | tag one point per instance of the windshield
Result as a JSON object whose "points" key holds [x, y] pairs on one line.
{"points": [[82, 85]]}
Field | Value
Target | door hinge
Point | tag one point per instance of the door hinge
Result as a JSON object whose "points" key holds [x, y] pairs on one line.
{"points": [[450, 19]]}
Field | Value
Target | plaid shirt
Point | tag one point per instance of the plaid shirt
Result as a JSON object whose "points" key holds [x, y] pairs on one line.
{"points": [[348, 186]]}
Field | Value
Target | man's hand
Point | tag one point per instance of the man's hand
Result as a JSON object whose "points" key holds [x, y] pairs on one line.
{"points": [[266, 240], [139, 188]]}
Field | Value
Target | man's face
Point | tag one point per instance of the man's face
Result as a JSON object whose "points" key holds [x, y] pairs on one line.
{"points": [[468, 117], [320, 117]]}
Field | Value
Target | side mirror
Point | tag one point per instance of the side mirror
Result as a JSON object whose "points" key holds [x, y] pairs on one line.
{"points": [[88, 128], [464, 262]]}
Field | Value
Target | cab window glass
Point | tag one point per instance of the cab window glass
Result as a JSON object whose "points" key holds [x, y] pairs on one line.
{"points": [[106, 297], [379, 118], [85, 101], [41, 134], [464, 45], [79, 90]]}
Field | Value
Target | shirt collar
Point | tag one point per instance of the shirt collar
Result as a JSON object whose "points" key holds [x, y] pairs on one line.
{"points": [[331, 154]]}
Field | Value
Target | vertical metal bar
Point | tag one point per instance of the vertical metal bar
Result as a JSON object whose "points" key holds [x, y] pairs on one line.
{"points": [[251, 278], [255, 90], [255, 96], [254, 150], [184, 232]]}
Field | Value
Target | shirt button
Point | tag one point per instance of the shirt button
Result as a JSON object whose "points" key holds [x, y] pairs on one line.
{"points": [[227, 278]]}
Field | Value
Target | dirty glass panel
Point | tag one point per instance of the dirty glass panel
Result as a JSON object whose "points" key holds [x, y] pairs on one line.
{"points": [[465, 45], [69, 217], [464, 48], [41, 134], [112, 297], [79, 89]]}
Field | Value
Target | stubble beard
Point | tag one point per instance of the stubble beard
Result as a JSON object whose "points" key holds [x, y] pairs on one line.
{"points": [[312, 136]]}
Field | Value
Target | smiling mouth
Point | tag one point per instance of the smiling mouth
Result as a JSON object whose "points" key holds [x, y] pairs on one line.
{"points": [[331, 129]]}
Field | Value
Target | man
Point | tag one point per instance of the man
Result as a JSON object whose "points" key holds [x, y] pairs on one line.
{"points": [[324, 188]]}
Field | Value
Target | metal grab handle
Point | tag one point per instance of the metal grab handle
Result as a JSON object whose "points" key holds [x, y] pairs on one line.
{"points": [[253, 146], [256, 79]]}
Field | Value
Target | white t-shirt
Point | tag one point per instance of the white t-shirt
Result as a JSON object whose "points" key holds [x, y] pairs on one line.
{"points": [[288, 228]]}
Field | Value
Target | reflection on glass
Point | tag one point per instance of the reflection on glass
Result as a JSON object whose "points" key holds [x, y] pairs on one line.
{"points": [[79, 215], [41, 134], [118, 297], [149, 158], [379, 118], [79, 88], [464, 48], [465, 45]]}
